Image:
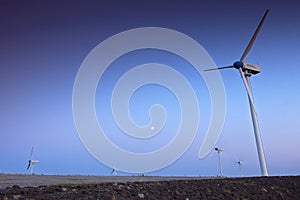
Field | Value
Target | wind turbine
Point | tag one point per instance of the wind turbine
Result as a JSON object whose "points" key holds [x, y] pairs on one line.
{"points": [[114, 170], [246, 70], [219, 150], [31, 162], [240, 167]]}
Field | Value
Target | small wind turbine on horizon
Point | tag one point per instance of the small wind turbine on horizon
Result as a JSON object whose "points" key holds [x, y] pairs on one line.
{"points": [[219, 150], [240, 167], [246, 70], [31, 162], [114, 170]]}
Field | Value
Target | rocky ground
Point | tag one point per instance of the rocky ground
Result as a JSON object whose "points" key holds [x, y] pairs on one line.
{"points": [[215, 188]]}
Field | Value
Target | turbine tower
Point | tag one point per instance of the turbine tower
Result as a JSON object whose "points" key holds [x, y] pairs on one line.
{"points": [[240, 167], [31, 162], [219, 150], [246, 70]]}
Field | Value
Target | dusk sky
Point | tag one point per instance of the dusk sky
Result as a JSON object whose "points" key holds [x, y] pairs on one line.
{"points": [[44, 43]]}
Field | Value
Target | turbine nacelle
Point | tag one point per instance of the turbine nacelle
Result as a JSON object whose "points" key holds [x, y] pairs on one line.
{"points": [[250, 68], [218, 149]]}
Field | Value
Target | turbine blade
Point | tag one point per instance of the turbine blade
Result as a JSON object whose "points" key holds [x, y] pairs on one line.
{"points": [[251, 42], [218, 68], [247, 86], [29, 163], [31, 153]]}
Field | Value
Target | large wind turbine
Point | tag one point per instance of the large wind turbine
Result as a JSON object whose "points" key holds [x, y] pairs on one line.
{"points": [[246, 70]]}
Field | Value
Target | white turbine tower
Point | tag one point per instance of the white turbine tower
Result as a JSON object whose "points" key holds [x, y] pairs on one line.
{"points": [[246, 70], [219, 150], [31, 162]]}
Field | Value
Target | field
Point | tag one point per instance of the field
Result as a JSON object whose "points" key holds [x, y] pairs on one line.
{"points": [[146, 187]]}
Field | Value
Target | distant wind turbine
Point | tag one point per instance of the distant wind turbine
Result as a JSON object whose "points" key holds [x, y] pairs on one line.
{"points": [[114, 170], [31, 162], [219, 150], [240, 167], [246, 70]]}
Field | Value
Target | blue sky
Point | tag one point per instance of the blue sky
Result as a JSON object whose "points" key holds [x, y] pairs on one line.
{"points": [[43, 44]]}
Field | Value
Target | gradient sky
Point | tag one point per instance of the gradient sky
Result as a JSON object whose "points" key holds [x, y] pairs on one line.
{"points": [[43, 43]]}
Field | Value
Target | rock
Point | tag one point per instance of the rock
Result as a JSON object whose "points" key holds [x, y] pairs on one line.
{"points": [[16, 187], [141, 195], [16, 197], [120, 187], [264, 189], [74, 190]]}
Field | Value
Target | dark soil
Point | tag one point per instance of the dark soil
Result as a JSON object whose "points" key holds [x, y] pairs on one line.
{"points": [[225, 188]]}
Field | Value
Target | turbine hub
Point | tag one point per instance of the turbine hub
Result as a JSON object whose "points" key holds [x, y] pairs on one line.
{"points": [[238, 64]]}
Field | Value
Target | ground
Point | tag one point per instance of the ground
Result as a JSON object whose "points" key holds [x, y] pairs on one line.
{"points": [[188, 188]]}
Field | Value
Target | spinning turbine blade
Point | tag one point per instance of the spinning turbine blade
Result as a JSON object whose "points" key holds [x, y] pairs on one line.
{"points": [[251, 42], [247, 86], [31, 153], [218, 68], [29, 163]]}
